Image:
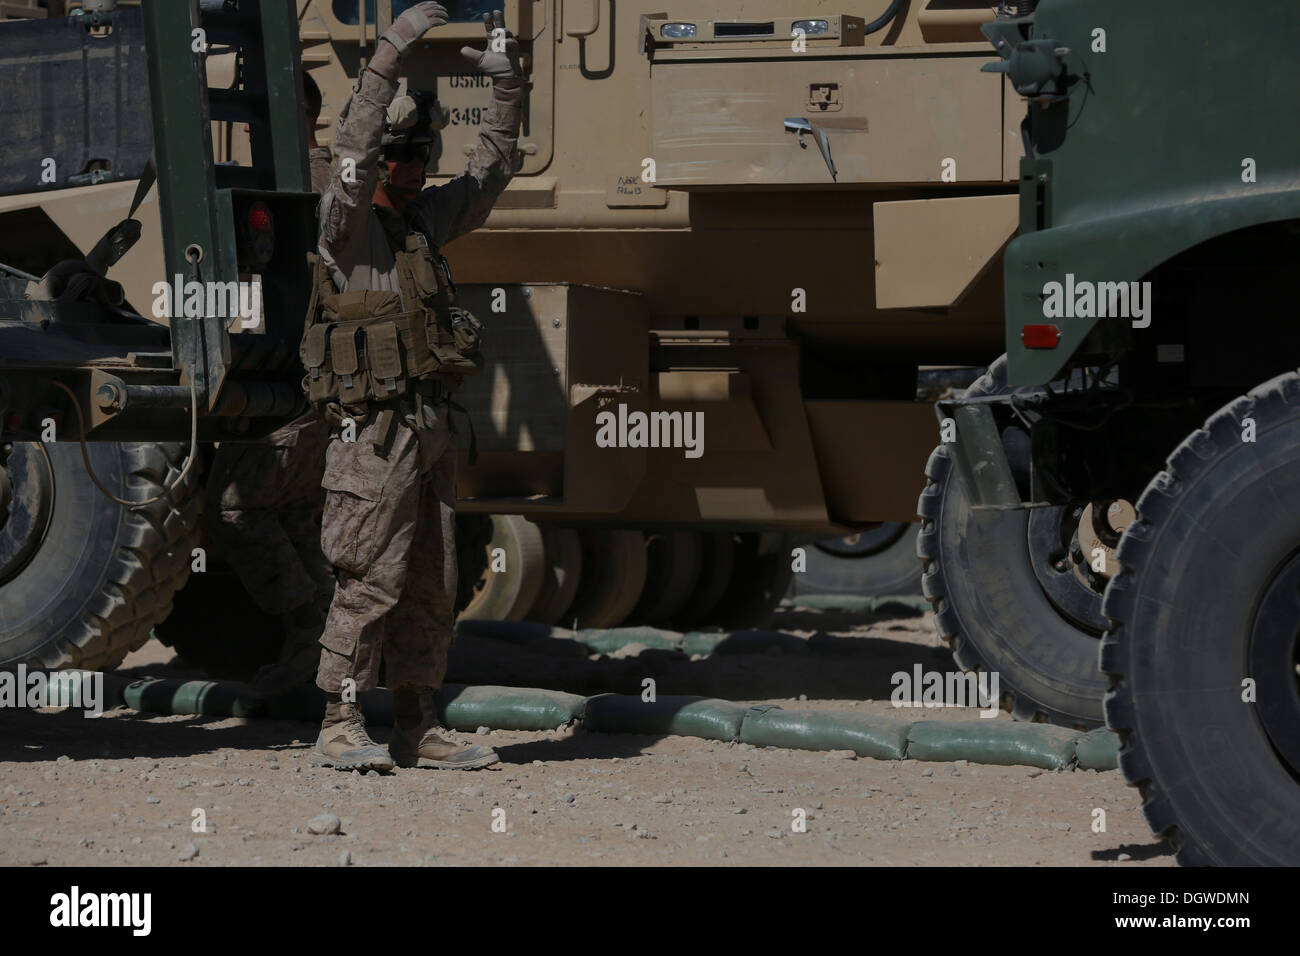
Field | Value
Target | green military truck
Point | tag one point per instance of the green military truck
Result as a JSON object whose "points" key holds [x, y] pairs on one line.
{"points": [[1151, 365], [97, 536]]}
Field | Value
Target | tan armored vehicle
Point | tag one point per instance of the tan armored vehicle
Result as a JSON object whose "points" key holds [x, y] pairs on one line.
{"points": [[737, 232]]}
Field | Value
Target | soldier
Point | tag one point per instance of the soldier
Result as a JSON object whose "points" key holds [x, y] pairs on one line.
{"points": [[264, 503], [390, 469]]}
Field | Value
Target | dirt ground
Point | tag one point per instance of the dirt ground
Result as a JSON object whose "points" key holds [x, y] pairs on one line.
{"points": [[127, 788]]}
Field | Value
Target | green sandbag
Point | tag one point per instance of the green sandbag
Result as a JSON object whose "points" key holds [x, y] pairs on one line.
{"points": [[894, 605], [687, 716], [74, 688], [742, 642], [1005, 742], [515, 632], [1098, 750], [210, 698], [703, 643], [609, 640], [901, 605], [307, 702], [507, 708], [761, 642], [878, 737]]}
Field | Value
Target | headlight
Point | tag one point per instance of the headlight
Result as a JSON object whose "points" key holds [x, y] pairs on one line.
{"points": [[811, 27], [678, 31]]}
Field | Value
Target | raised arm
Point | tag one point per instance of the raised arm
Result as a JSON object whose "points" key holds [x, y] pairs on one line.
{"points": [[346, 203], [462, 205]]}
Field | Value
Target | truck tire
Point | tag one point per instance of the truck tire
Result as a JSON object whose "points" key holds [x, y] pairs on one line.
{"points": [[759, 580], [231, 645], [672, 570], [83, 580], [983, 571], [870, 564], [509, 593], [1207, 598]]}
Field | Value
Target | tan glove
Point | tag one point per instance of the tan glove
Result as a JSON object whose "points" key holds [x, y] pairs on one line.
{"points": [[406, 29], [414, 23], [501, 58]]}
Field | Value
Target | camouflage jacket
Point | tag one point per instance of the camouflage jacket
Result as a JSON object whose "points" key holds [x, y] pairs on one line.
{"points": [[352, 238]]}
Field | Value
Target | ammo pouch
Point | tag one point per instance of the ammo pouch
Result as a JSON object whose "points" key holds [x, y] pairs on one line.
{"points": [[372, 346], [454, 334]]}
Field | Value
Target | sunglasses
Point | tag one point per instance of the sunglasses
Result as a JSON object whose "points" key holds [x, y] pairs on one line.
{"points": [[407, 152]]}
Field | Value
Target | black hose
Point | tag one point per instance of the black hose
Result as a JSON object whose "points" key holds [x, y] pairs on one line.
{"points": [[882, 20]]}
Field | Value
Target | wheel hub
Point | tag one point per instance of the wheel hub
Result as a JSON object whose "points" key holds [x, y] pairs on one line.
{"points": [[1275, 663], [1055, 553], [28, 513], [865, 543]]}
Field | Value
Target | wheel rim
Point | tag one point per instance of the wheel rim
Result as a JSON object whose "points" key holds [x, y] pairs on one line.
{"points": [[1056, 556], [28, 521], [1275, 663], [865, 543]]}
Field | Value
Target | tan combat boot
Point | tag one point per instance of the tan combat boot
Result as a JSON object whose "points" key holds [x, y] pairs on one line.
{"points": [[344, 744], [417, 743]]}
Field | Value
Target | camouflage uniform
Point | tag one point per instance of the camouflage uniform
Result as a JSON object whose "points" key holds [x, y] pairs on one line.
{"points": [[264, 502], [388, 524]]}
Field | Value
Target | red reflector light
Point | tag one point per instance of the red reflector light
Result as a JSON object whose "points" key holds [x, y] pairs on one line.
{"points": [[13, 421], [259, 218], [1040, 336]]}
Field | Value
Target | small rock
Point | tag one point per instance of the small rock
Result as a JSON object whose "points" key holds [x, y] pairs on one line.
{"points": [[1063, 827], [842, 755], [345, 858], [927, 772], [39, 861], [483, 730], [152, 800], [324, 824], [188, 852], [570, 798], [981, 805], [737, 809], [1123, 857], [803, 696]]}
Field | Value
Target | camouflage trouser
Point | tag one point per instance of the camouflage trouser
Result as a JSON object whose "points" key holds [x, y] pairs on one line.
{"points": [[389, 530], [262, 507]]}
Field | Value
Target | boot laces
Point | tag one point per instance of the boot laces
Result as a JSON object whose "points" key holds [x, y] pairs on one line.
{"points": [[355, 722]]}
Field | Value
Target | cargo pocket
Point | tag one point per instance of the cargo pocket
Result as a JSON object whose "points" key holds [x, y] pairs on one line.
{"points": [[354, 485], [352, 380]]}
